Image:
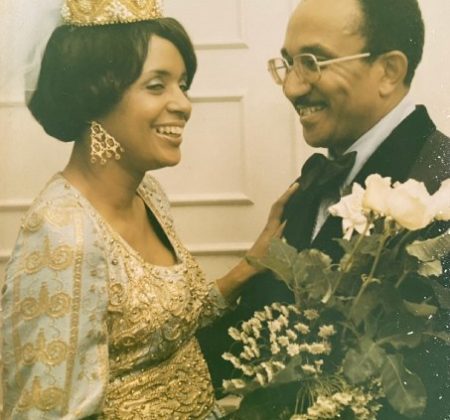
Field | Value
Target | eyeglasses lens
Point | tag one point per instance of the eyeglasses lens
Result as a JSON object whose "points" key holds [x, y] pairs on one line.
{"points": [[278, 70], [306, 67]]}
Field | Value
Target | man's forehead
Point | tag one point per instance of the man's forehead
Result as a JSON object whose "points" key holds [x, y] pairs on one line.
{"points": [[319, 26]]}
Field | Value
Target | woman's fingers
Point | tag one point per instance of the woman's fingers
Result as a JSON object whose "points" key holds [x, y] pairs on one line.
{"points": [[280, 230], [288, 193], [274, 227], [277, 208]]}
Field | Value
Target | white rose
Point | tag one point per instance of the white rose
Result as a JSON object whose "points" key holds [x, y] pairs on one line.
{"points": [[376, 195], [410, 205], [351, 211], [441, 201]]}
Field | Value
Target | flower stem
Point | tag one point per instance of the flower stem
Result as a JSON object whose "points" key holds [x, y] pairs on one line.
{"points": [[370, 278], [401, 279], [348, 263], [377, 257], [401, 243]]}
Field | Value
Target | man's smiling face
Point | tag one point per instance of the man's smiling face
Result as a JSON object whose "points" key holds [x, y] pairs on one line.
{"points": [[345, 102]]}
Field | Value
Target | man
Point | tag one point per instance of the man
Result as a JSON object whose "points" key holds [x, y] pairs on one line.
{"points": [[347, 68]]}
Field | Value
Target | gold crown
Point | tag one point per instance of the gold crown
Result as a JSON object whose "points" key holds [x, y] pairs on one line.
{"points": [[105, 12]]}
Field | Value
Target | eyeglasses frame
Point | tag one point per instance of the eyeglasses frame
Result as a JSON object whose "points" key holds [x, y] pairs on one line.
{"points": [[319, 64]]}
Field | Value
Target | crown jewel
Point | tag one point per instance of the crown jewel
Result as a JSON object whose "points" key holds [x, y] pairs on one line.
{"points": [[104, 12]]}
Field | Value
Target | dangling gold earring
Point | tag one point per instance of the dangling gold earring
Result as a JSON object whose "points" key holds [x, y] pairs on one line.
{"points": [[103, 145]]}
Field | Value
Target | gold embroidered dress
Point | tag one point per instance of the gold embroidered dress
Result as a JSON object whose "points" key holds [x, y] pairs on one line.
{"points": [[90, 328]]}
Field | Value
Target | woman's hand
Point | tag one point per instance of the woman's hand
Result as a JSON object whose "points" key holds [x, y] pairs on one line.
{"points": [[274, 226], [230, 284]]}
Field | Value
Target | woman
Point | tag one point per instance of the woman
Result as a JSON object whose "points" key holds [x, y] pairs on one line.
{"points": [[102, 300]]}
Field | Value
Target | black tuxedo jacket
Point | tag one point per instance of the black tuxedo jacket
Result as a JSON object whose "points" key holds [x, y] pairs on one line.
{"points": [[415, 149]]}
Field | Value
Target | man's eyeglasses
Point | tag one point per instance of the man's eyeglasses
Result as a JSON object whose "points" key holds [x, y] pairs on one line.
{"points": [[306, 66]]}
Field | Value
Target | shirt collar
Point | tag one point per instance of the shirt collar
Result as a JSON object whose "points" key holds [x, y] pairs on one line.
{"points": [[366, 145]]}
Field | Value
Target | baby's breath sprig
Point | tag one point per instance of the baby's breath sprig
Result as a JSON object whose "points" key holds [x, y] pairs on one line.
{"points": [[275, 337], [363, 403]]}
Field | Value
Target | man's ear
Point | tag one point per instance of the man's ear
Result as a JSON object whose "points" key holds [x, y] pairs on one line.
{"points": [[394, 68]]}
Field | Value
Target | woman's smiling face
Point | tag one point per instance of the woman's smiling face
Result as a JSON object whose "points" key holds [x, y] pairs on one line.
{"points": [[150, 118]]}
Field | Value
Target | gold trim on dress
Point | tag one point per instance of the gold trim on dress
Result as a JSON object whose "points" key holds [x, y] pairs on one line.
{"points": [[178, 388], [52, 353], [54, 306], [44, 399]]}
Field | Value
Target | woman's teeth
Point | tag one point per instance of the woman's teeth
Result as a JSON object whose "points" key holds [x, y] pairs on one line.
{"points": [[171, 131], [304, 111]]}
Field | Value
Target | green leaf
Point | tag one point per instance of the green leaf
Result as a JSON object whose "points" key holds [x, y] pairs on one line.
{"points": [[398, 341], [371, 325], [370, 244], [403, 389], [346, 245], [401, 328], [442, 294], [367, 248], [430, 249], [312, 274], [364, 363], [430, 268], [420, 309], [391, 298], [314, 259], [369, 300], [280, 259], [441, 335]]}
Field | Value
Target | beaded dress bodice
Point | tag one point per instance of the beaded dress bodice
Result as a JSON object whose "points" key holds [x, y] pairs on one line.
{"points": [[90, 328]]}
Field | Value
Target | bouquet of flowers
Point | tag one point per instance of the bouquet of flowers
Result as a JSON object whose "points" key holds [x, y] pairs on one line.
{"points": [[341, 351]]}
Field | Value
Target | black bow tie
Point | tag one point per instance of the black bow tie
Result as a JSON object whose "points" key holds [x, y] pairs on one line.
{"points": [[320, 179], [320, 172]]}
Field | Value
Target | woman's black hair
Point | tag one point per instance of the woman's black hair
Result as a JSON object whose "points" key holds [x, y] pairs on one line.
{"points": [[86, 70]]}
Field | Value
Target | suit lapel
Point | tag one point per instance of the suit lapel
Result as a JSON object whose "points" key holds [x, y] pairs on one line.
{"points": [[394, 158], [398, 153]]}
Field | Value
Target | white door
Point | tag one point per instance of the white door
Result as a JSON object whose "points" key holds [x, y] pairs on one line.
{"points": [[240, 150]]}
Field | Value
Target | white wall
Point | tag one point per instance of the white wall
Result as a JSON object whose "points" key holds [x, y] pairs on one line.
{"points": [[431, 85]]}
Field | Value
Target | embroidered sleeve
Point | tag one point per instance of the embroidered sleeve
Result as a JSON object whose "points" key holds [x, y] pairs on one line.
{"points": [[215, 305], [54, 329]]}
